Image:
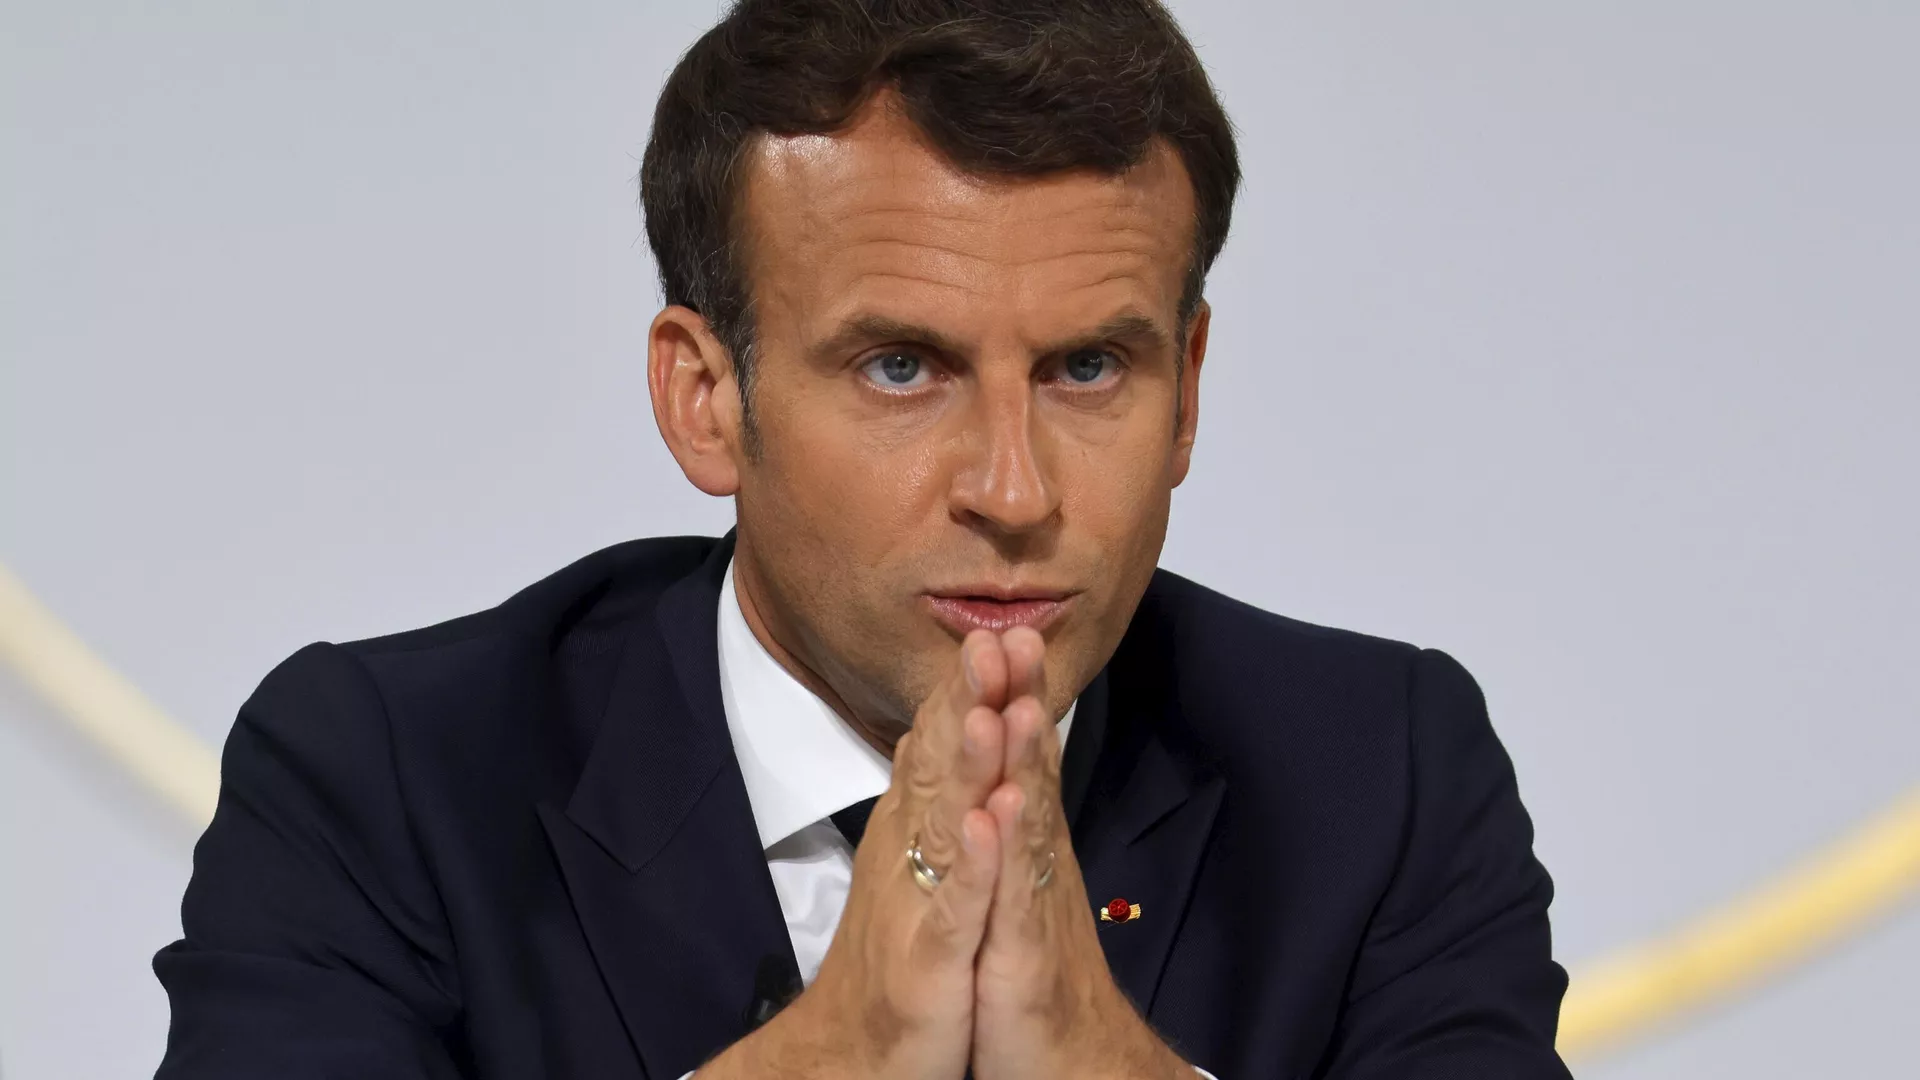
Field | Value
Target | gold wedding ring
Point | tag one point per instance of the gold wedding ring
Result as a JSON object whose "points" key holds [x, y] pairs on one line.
{"points": [[924, 875]]}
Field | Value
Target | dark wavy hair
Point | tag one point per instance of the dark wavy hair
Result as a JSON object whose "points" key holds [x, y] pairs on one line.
{"points": [[1000, 87]]}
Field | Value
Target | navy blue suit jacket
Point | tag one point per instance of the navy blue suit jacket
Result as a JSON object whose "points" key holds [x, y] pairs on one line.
{"points": [[517, 845]]}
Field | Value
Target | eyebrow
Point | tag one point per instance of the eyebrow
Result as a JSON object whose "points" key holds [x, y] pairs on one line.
{"points": [[1129, 325]]}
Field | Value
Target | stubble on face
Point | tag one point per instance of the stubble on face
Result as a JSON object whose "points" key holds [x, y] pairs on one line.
{"points": [[876, 505]]}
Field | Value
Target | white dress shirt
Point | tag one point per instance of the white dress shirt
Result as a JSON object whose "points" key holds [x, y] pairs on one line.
{"points": [[801, 764]]}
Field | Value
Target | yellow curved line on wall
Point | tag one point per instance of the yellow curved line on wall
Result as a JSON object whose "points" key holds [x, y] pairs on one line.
{"points": [[111, 712], [1837, 892]]}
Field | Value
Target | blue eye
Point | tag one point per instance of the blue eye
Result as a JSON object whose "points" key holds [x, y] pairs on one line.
{"points": [[896, 370], [1087, 366]]}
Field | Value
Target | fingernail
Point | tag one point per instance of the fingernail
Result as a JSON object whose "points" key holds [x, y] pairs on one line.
{"points": [[967, 841], [967, 663]]}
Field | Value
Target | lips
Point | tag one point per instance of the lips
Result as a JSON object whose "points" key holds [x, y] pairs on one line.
{"points": [[966, 610]]}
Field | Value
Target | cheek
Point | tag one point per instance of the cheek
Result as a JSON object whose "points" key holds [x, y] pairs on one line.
{"points": [[861, 485], [1118, 483], [1118, 502]]}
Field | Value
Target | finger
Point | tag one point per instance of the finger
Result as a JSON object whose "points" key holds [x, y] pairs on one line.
{"points": [[1036, 769], [1026, 804], [961, 785], [923, 759], [981, 678], [1026, 653], [1033, 752], [956, 919], [1013, 893]]}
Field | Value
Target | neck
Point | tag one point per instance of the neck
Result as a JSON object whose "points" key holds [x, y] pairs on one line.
{"points": [[751, 594]]}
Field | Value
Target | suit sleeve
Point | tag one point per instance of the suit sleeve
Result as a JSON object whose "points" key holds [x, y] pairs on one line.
{"points": [[1456, 976], [314, 942]]}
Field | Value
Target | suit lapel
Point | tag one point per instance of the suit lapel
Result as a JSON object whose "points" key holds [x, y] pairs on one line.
{"points": [[1145, 818], [658, 845]]}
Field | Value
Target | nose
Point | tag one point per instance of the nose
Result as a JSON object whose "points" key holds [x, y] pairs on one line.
{"points": [[1003, 484]]}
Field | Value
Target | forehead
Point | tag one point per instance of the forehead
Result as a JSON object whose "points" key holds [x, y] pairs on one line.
{"points": [[874, 217]]}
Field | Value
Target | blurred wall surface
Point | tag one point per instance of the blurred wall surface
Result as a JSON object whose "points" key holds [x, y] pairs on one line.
{"points": [[1578, 340]]}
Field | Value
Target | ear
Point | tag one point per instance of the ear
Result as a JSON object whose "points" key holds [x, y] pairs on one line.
{"points": [[1189, 416], [696, 400]]}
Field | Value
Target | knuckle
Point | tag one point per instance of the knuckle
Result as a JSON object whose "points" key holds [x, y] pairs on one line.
{"points": [[1037, 822], [1050, 766], [938, 842], [1038, 842], [924, 776]]}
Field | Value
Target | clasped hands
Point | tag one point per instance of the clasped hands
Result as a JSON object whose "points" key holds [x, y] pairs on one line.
{"points": [[998, 966]]}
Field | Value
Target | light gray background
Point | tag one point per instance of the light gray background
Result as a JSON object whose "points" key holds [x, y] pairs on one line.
{"points": [[1579, 340]]}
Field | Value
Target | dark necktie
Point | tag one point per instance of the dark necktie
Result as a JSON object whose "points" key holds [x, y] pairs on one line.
{"points": [[852, 822]]}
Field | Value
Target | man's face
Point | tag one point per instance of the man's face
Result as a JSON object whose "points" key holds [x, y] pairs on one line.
{"points": [[969, 406]]}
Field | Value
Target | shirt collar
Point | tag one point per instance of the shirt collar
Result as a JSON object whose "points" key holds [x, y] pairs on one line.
{"points": [[800, 761]]}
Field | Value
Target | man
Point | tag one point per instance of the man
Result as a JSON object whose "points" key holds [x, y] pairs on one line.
{"points": [[934, 323]]}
